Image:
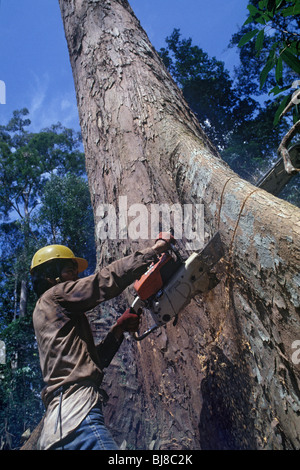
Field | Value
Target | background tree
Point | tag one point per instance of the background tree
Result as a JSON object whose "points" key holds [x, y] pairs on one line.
{"points": [[224, 377], [272, 31], [65, 215], [208, 88], [44, 199], [26, 161], [241, 127]]}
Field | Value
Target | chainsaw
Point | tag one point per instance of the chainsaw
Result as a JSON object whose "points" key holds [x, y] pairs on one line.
{"points": [[170, 284]]}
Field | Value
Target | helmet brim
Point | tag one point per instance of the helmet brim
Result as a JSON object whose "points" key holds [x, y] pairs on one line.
{"points": [[81, 263]]}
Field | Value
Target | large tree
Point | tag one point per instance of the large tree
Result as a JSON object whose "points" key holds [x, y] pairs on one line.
{"points": [[225, 377]]}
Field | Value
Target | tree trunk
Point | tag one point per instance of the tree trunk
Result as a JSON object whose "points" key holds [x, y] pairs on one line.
{"points": [[23, 298], [226, 376]]}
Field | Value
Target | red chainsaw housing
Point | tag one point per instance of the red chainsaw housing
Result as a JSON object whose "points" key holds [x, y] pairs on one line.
{"points": [[156, 277]]}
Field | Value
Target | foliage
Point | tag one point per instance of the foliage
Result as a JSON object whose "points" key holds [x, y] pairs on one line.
{"points": [[207, 87], [44, 199], [252, 146], [27, 159], [64, 199], [246, 131], [21, 381], [239, 126], [273, 29]]}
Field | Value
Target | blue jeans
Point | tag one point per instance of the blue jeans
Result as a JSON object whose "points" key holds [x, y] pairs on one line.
{"points": [[91, 434]]}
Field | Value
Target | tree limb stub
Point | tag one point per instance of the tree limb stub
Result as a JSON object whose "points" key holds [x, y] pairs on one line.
{"points": [[284, 152]]}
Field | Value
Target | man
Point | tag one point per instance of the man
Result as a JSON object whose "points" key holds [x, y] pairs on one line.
{"points": [[72, 366]]}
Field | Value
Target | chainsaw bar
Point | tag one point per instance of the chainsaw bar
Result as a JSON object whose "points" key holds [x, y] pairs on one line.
{"points": [[211, 253], [193, 277]]}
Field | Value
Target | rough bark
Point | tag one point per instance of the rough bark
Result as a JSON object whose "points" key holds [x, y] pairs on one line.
{"points": [[224, 377]]}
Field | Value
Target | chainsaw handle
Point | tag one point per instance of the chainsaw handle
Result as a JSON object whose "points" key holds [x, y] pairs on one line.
{"points": [[146, 333], [137, 306], [176, 252]]}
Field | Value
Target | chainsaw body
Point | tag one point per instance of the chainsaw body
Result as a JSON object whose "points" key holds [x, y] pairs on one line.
{"points": [[170, 284]]}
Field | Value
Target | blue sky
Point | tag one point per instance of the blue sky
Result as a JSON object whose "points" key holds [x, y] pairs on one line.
{"points": [[34, 61]]}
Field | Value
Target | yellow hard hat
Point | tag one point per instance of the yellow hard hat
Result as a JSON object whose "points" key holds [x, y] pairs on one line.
{"points": [[51, 252]]}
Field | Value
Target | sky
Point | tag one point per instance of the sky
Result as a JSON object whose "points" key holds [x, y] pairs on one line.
{"points": [[34, 60]]}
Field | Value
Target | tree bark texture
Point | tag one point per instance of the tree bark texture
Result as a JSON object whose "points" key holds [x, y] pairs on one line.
{"points": [[224, 377]]}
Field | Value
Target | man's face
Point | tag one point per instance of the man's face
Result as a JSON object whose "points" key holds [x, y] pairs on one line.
{"points": [[69, 271]]}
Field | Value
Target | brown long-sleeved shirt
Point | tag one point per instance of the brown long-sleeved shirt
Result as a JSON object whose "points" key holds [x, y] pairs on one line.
{"points": [[66, 346]]}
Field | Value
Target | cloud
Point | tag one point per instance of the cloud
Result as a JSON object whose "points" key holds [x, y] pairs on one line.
{"points": [[39, 93], [50, 103]]}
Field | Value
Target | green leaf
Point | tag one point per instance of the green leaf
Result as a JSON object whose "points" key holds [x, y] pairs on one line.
{"points": [[267, 68], [271, 7], [291, 11], [248, 20], [256, 15], [264, 73], [262, 4], [276, 90], [259, 40], [291, 60], [294, 48], [280, 108], [247, 37], [253, 10], [278, 71]]}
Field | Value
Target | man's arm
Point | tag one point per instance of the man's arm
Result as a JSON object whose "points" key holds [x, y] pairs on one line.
{"points": [[106, 350], [86, 293], [120, 274]]}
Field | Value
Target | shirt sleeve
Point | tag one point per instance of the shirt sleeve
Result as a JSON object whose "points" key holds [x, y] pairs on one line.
{"points": [[107, 349], [85, 294], [114, 278]]}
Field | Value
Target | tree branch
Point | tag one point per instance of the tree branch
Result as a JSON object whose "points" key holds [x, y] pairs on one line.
{"points": [[283, 151]]}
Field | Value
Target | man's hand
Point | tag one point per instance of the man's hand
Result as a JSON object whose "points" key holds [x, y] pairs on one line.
{"points": [[128, 321], [163, 241]]}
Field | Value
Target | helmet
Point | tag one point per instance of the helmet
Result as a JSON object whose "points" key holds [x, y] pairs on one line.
{"points": [[52, 252]]}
